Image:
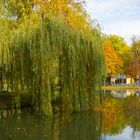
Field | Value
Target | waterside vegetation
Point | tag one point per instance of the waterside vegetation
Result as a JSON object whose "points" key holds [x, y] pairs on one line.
{"points": [[53, 59]]}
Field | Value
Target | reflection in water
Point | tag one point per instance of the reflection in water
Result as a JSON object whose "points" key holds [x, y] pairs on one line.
{"points": [[118, 119], [113, 120], [132, 109], [121, 118], [8, 113], [80, 126], [125, 93]]}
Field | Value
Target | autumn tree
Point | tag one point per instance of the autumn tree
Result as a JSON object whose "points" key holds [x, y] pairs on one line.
{"points": [[127, 58], [113, 60], [122, 49], [118, 44], [134, 68]]}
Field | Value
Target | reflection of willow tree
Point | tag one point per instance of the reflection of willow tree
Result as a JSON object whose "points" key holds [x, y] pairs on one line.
{"points": [[132, 109], [76, 127], [80, 127], [113, 119]]}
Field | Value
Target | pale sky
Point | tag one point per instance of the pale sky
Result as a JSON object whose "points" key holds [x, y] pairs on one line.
{"points": [[120, 17]]}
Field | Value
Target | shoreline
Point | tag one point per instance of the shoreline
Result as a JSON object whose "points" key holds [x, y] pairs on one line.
{"points": [[120, 88]]}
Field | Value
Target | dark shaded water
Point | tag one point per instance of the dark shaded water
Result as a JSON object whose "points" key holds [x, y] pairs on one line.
{"points": [[119, 119]]}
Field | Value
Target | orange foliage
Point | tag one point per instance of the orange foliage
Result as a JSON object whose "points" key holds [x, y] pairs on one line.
{"points": [[113, 117], [113, 61], [134, 67], [134, 70]]}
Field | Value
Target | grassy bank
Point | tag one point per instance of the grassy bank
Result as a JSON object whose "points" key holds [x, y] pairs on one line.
{"points": [[120, 87]]}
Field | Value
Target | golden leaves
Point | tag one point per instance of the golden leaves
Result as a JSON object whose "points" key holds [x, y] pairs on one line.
{"points": [[113, 61]]}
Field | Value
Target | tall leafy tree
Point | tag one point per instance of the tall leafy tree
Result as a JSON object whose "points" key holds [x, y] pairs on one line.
{"points": [[118, 43], [122, 49], [48, 40], [113, 60], [134, 68]]}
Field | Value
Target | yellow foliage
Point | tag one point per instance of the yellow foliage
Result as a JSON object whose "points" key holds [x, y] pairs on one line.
{"points": [[73, 13], [113, 61]]}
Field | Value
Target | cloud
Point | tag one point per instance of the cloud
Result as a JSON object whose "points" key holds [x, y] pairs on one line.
{"points": [[110, 7], [126, 29], [121, 17]]}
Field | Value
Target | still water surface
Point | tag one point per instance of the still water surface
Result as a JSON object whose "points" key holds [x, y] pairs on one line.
{"points": [[118, 120]]}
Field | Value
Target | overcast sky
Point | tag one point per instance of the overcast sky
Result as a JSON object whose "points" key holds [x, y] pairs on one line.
{"points": [[120, 17]]}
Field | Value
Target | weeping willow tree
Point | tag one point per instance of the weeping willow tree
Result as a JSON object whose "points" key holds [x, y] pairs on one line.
{"points": [[50, 58]]}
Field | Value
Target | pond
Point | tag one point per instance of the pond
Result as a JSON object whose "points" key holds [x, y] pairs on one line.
{"points": [[118, 119]]}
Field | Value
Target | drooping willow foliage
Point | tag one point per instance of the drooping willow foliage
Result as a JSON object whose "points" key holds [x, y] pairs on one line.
{"points": [[52, 63]]}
